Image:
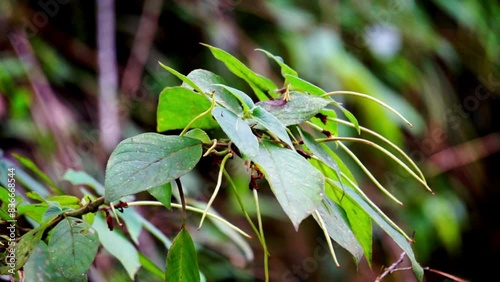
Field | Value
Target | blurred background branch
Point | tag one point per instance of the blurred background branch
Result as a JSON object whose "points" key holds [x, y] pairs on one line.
{"points": [[109, 120]]}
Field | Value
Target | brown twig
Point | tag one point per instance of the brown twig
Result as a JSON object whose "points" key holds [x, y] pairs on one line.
{"points": [[109, 121], [463, 154], [391, 268], [453, 277], [394, 267], [183, 201], [91, 207]]}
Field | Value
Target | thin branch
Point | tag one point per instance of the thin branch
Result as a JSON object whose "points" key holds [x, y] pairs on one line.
{"points": [[91, 207], [142, 44], [261, 230], [369, 98], [217, 187], [183, 201], [109, 121], [391, 268], [193, 209], [453, 277]]}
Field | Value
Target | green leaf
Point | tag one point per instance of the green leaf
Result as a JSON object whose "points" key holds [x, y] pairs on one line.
{"points": [[182, 262], [343, 168], [65, 200], [133, 223], [35, 196], [390, 230], [23, 249], [297, 185], [260, 84], [299, 108], [198, 134], [163, 194], [150, 266], [83, 178], [147, 161], [184, 78], [22, 177], [359, 221], [34, 168], [72, 247], [244, 99], [319, 151], [5, 211], [349, 116], [34, 211], [207, 82], [39, 267], [338, 227], [118, 246], [271, 123], [238, 131], [53, 210], [177, 106], [285, 69], [301, 85]]}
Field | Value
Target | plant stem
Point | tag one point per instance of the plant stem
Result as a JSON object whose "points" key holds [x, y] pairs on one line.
{"points": [[193, 209], [209, 110], [240, 202], [387, 141], [261, 229], [211, 148], [375, 207], [369, 98], [368, 173], [183, 201], [91, 207], [327, 237], [383, 150], [217, 187]]}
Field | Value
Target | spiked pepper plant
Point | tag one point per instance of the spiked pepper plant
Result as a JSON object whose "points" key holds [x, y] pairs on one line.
{"points": [[285, 137]]}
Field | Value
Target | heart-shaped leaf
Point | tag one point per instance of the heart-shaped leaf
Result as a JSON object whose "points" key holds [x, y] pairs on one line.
{"points": [[297, 185], [72, 248], [39, 268], [147, 161]]}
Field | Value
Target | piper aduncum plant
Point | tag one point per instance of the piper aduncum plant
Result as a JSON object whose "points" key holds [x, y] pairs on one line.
{"points": [[286, 137]]}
